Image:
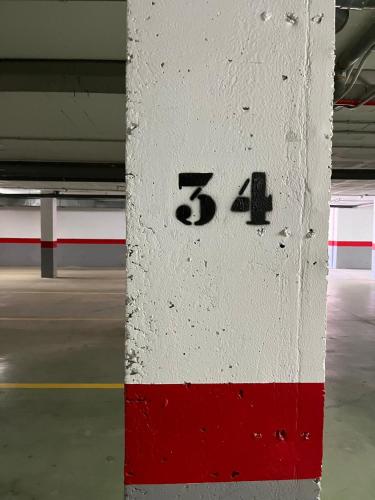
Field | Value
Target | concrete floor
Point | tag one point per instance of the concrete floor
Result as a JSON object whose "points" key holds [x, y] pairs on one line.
{"points": [[62, 444], [67, 444], [349, 462]]}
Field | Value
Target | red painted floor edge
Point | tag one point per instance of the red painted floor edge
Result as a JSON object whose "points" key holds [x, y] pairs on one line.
{"points": [[350, 243], [203, 433]]}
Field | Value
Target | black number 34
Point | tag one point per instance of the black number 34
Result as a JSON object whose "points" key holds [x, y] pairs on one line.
{"points": [[257, 204]]}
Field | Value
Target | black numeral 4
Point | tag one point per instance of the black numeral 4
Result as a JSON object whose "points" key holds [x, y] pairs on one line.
{"points": [[258, 203]]}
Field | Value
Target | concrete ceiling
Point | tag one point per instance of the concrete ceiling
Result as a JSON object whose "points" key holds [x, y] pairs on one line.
{"points": [[354, 129], [63, 117], [83, 125], [62, 29]]}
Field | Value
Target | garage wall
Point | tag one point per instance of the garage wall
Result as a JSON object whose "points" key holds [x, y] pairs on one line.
{"points": [[86, 238], [350, 238]]}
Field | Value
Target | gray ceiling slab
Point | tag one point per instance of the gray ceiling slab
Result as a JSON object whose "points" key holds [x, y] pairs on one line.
{"points": [[62, 30]]}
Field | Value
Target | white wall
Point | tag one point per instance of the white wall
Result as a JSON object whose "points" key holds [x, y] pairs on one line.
{"points": [[106, 224], [332, 236], [101, 224], [354, 224], [19, 223]]}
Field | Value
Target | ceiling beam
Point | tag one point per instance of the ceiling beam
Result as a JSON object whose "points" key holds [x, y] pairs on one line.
{"points": [[346, 146], [62, 171], [58, 195], [60, 75], [353, 122], [354, 132], [353, 174], [355, 4]]}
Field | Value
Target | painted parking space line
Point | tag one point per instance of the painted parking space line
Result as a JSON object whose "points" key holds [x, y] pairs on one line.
{"points": [[59, 386]]}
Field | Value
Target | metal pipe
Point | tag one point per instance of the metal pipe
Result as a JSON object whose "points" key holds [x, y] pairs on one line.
{"points": [[346, 61], [342, 17], [350, 56]]}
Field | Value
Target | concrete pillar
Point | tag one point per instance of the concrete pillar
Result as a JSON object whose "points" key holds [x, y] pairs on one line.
{"points": [[48, 221], [373, 242], [228, 156]]}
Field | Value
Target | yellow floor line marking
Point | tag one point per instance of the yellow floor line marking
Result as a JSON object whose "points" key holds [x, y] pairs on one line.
{"points": [[60, 386], [20, 318]]}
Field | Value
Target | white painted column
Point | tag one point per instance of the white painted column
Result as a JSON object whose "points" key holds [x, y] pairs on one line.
{"points": [[373, 242], [229, 104], [48, 221]]}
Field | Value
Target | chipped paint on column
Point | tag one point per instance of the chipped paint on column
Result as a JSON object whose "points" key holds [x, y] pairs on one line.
{"points": [[226, 318]]}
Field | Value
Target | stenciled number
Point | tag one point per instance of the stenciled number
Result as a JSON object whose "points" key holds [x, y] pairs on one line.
{"points": [[207, 204], [258, 203]]}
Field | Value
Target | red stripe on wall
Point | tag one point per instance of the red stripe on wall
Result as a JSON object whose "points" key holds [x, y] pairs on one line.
{"points": [[66, 241], [202, 433], [80, 241], [350, 243], [20, 240]]}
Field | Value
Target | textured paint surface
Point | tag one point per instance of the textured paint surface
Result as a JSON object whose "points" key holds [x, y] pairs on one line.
{"points": [[227, 302], [223, 432], [188, 116], [270, 490]]}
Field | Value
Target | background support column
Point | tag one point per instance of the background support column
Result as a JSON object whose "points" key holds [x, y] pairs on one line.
{"points": [[333, 238], [228, 177], [48, 220]]}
